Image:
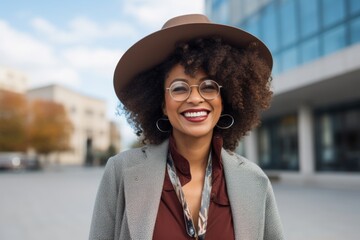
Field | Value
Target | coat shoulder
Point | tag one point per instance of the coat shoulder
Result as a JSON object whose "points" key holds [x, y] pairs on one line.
{"points": [[136, 156], [129, 158], [248, 168]]}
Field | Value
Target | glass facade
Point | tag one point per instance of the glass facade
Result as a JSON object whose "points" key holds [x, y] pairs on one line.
{"points": [[300, 31], [278, 144], [309, 18], [338, 139], [219, 10], [355, 30]]}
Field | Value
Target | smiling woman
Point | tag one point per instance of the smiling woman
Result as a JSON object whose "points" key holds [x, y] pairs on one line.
{"points": [[208, 83]]}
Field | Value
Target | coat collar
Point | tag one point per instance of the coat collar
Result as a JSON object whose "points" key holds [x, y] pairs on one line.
{"points": [[143, 185]]}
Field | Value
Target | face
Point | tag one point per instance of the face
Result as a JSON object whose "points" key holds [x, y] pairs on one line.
{"points": [[195, 116]]}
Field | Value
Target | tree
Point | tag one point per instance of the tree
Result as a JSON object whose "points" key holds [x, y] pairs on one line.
{"points": [[13, 120], [49, 127]]}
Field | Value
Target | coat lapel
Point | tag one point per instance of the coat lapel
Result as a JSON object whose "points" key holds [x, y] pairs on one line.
{"points": [[143, 186], [241, 194]]}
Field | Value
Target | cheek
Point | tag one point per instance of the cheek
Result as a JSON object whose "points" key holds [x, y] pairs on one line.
{"points": [[219, 105]]}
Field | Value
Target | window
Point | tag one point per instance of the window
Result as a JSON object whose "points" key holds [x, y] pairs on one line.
{"points": [[333, 11], [250, 6], [252, 25], [89, 112], [276, 64], [222, 11], [269, 27], [289, 30], [354, 6], [289, 59], [278, 144], [287, 141], [355, 30], [309, 17], [73, 109], [310, 50], [264, 139], [338, 139], [334, 39]]}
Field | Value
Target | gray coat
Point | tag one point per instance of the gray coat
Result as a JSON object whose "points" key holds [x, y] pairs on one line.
{"points": [[129, 195]]}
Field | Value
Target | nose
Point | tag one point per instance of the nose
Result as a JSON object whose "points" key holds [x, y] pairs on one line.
{"points": [[195, 96]]}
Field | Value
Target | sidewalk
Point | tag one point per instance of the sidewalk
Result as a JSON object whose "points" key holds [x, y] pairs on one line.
{"points": [[57, 204], [318, 213]]}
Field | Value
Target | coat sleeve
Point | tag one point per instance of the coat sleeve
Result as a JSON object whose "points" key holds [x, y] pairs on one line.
{"points": [[103, 219], [273, 228]]}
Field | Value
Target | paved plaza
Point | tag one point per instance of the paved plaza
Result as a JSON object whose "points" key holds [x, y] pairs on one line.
{"points": [[57, 204]]}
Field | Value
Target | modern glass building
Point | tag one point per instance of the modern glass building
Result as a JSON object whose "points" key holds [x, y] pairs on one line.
{"points": [[312, 130]]}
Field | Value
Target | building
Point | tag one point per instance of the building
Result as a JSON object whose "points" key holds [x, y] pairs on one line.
{"points": [[115, 137], [311, 133], [91, 135], [12, 80]]}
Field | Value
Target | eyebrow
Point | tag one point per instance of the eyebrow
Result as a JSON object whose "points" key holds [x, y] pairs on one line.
{"points": [[186, 80]]}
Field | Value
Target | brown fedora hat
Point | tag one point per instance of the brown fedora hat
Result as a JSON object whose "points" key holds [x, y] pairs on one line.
{"points": [[156, 47]]}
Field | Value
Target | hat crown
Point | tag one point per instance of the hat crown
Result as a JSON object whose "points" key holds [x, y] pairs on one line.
{"points": [[186, 19]]}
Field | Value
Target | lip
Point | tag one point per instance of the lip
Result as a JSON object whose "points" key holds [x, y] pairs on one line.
{"points": [[195, 115]]}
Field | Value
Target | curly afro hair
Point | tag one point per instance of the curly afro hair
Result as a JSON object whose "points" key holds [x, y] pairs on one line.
{"points": [[245, 78]]}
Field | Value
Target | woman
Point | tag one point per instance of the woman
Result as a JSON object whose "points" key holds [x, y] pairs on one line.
{"points": [[192, 90]]}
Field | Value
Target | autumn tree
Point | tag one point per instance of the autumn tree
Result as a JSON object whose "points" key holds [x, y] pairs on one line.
{"points": [[49, 127], [13, 120]]}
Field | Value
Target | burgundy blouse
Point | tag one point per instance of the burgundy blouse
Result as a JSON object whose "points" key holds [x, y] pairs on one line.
{"points": [[170, 219]]}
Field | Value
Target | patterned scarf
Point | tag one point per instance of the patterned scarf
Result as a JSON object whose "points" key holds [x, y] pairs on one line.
{"points": [[205, 199]]}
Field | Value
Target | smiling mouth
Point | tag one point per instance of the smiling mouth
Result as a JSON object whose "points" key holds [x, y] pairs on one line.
{"points": [[195, 114]]}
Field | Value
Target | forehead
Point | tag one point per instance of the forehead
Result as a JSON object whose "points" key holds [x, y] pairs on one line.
{"points": [[178, 72]]}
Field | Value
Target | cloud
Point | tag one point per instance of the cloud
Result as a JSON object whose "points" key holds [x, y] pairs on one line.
{"points": [[58, 74], [82, 30], [155, 13], [100, 60], [21, 49], [35, 58]]}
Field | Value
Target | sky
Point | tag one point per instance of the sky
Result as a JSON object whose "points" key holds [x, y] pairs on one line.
{"points": [[78, 43]]}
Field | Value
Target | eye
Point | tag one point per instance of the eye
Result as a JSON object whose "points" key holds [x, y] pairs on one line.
{"points": [[179, 88], [209, 86]]}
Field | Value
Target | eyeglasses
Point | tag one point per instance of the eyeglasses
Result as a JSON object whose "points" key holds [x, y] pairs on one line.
{"points": [[180, 91]]}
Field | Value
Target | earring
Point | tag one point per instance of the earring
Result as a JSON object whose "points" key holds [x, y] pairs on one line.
{"points": [[229, 125], [157, 124]]}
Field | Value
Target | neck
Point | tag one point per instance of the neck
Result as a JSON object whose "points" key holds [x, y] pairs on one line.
{"points": [[195, 150]]}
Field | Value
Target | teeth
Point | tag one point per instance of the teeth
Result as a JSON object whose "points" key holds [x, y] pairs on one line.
{"points": [[195, 114]]}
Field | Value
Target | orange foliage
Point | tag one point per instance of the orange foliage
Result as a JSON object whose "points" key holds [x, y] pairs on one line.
{"points": [[13, 113], [49, 127]]}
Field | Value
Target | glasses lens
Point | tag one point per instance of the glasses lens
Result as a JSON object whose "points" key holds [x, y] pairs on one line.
{"points": [[209, 89], [179, 91]]}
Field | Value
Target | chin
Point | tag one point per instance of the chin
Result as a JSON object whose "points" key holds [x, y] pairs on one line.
{"points": [[197, 133]]}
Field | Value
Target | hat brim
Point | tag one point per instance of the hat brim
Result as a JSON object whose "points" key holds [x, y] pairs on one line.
{"points": [[156, 47]]}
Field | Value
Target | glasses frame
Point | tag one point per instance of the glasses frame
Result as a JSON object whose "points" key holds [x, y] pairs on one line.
{"points": [[190, 90]]}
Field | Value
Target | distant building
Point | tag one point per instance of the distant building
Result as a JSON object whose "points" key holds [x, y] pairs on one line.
{"points": [[92, 130], [115, 137], [312, 130], [12, 80]]}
